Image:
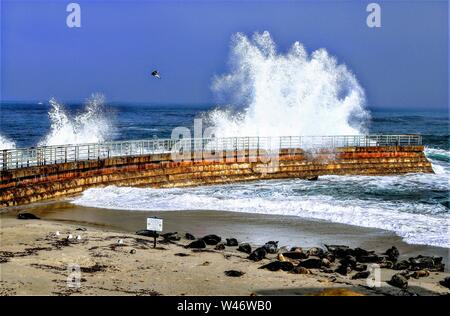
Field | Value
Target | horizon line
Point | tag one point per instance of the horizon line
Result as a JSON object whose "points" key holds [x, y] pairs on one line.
{"points": [[212, 104]]}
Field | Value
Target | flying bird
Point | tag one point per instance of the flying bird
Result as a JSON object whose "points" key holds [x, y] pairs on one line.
{"points": [[155, 74]]}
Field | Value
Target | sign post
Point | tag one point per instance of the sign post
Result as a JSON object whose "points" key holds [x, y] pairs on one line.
{"points": [[155, 225]]}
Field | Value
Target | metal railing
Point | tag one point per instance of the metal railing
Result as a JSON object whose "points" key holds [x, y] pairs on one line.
{"points": [[46, 155]]}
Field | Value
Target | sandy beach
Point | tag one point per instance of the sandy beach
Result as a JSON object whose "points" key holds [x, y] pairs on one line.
{"points": [[113, 260]]}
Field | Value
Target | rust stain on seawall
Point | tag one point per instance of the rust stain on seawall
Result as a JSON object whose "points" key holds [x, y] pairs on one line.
{"points": [[27, 185]]}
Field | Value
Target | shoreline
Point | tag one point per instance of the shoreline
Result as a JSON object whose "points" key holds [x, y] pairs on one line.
{"points": [[36, 260], [247, 227]]}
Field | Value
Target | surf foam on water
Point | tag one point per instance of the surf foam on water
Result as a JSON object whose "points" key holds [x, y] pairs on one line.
{"points": [[440, 162], [287, 94], [437, 154], [5, 143], [90, 126]]}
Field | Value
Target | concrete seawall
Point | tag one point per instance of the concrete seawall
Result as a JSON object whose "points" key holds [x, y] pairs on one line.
{"points": [[27, 185]]}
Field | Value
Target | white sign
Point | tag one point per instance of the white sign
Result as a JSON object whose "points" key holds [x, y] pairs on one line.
{"points": [[155, 224]]}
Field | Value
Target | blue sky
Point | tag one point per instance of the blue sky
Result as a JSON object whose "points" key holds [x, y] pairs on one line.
{"points": [[403, 64]]}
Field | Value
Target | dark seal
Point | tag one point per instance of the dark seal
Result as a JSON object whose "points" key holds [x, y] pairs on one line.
{"points": [[234, 273], [27, 216], [211, 239], [245, 248], [198, 244], [232, 242], [258, 254]]}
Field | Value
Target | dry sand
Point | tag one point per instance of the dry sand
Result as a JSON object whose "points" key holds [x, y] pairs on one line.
{"points": [[36, 262]]}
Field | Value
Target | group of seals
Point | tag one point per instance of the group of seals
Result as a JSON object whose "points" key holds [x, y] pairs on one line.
{"points": [[343, 260], [417, 267], [201, 243], [339, 259], [214, 240], [270, 247]]}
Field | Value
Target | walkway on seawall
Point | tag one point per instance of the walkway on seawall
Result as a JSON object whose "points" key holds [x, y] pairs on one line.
{"points": [[34, 174]]}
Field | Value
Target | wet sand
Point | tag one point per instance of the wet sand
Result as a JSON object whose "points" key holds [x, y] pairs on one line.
{"points": [[35, 261], [246, 227]]}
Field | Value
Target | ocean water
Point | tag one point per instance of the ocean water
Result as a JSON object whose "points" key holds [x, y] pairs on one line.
{"points": [[414, 206]]}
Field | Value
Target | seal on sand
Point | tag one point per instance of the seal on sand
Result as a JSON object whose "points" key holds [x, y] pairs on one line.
{"points": [[300, 270], [258, 254], [316, 251], [361, 275], [278, 265], [271, 246], [245, 248], [220, 246], [392, 254], [170, 236], [445, 282], [399, 280], [198, 244], [295, 255], [231, 242], [234, 273], [311, 263], [211, 239], [26, 216], [147, 233]]}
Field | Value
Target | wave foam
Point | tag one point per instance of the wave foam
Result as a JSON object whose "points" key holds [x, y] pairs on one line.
{"points": [[437, 154], [287, 94], [5, 143], [90, 126], [439, 159]]}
